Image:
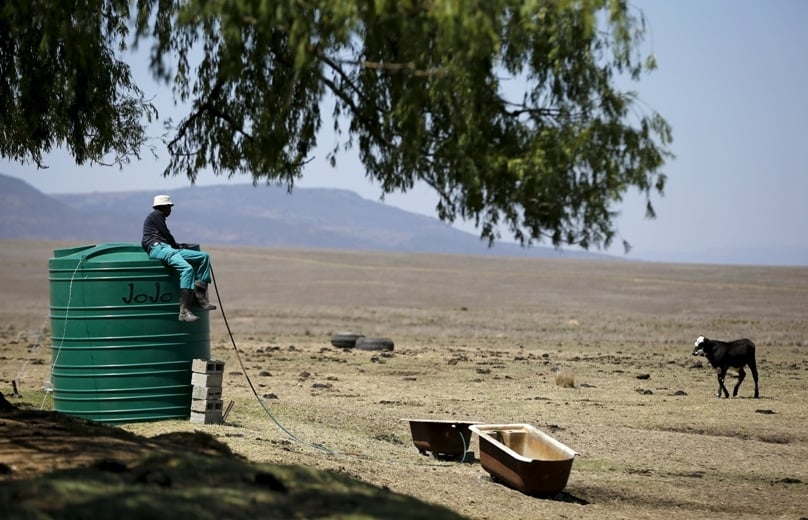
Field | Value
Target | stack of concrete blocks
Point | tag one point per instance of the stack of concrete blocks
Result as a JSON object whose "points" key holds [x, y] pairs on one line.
{"points": [[206, 396]]}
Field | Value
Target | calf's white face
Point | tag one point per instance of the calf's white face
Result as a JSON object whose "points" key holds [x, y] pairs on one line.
{"points": [[697, 348]]}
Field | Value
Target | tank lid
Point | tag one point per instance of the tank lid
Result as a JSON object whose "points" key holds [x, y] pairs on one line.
{"points": [[109, 252]]}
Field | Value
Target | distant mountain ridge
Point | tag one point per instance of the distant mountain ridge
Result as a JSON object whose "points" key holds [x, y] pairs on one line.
{"points": [[247, 215]]}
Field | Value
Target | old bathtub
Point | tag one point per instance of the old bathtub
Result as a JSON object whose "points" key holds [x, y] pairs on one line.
{"points": [[524, 458], [442, 438]]}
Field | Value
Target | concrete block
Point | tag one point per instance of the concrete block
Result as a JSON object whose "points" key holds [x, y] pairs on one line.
{"points": [[206, 392], [207, 366], [206, 405], [208, 417], [198, 379]]}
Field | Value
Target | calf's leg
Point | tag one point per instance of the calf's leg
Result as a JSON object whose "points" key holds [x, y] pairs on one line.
{"points": [[722, 372], [753, 369], [741, 375]]}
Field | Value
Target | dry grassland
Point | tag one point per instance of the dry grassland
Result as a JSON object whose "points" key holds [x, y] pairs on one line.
{"points": [[484, 339]]}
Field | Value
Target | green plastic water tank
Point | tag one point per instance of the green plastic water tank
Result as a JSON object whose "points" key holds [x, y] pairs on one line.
{"points": [[119, 354]]}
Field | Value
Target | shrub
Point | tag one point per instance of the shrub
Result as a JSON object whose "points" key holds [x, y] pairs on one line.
{"points": [[565, 379]]}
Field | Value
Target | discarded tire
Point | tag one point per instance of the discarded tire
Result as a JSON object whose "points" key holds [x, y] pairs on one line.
{"points": [[364, 343], [345, 339]]}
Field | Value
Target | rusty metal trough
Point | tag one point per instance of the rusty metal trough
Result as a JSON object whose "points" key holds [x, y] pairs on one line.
{"points": [[442, 438], [524, 458]]}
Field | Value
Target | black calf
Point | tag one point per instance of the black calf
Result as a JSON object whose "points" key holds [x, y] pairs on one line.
{"points": [[725, 354]]}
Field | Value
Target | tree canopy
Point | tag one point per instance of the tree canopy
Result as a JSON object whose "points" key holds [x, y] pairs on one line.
{"points": [[510, 110]]}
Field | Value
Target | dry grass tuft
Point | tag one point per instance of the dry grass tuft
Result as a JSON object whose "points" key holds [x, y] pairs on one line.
{"points": [[565, 379]]}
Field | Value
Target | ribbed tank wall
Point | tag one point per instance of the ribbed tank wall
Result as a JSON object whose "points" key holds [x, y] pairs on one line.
{"points": [[119, 354]]}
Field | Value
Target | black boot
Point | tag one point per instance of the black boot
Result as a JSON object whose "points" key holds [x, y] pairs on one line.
{"points": [[186, 295], [201, 295]]}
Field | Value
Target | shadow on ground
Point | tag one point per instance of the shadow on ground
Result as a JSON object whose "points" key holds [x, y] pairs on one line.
{"points": [[71, 468]]}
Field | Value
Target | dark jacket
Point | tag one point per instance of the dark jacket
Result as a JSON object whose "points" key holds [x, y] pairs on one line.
{"points": [[155, 230]]}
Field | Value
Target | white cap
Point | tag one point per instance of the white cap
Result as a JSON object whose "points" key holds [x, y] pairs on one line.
{"points": [[162, 200]]}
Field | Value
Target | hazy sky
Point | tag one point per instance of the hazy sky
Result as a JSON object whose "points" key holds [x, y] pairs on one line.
{"points": [[732, 81]]}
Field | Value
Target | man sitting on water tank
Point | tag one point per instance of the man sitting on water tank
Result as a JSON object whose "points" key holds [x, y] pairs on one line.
{"points": [[193, 266]]}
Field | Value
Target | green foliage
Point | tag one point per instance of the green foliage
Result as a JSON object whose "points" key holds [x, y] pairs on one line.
{"points": [[508, 109], [62, 83]]}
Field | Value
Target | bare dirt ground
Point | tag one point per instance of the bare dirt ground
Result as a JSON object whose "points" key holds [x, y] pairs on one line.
{"points": [[480, 339]]}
